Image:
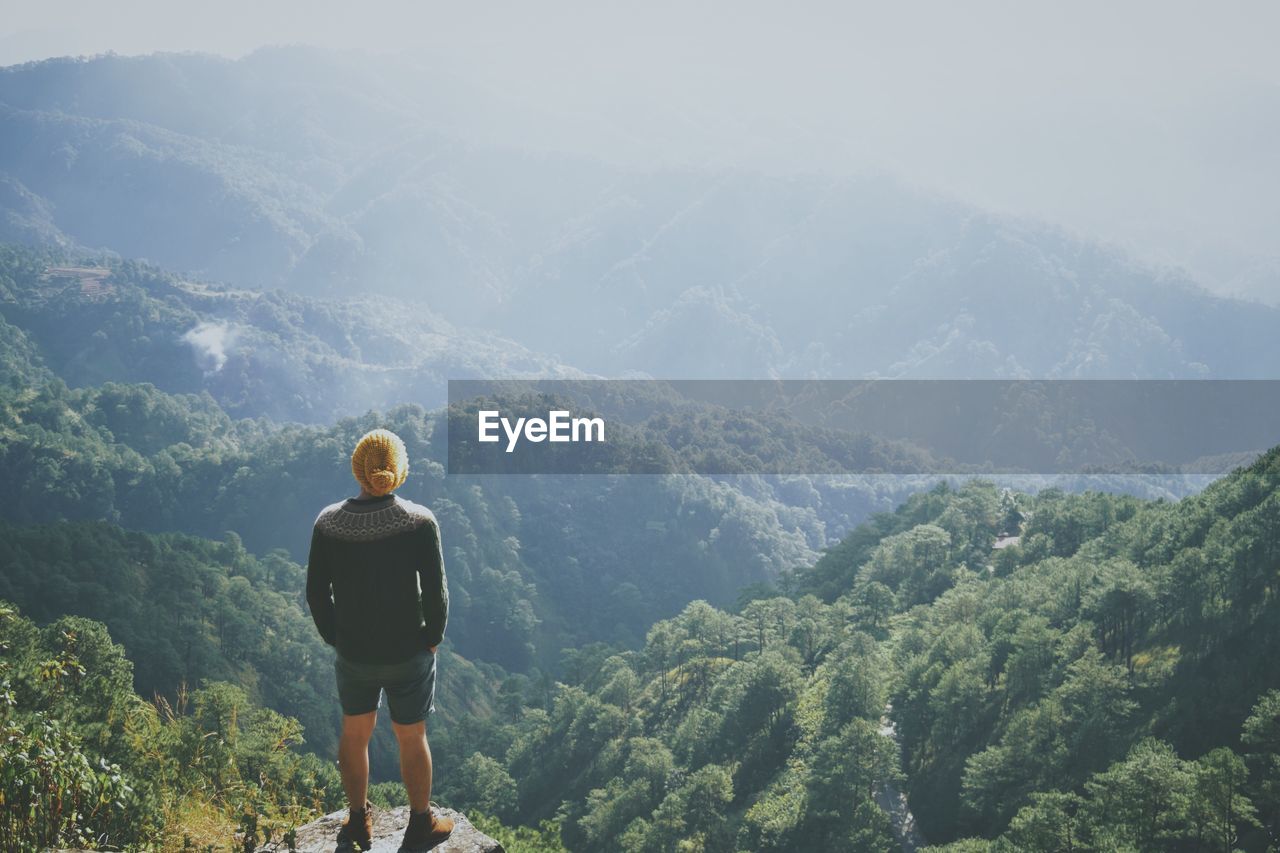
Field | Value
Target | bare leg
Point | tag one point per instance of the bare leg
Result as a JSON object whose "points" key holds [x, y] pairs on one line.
{"points": [[353, 756], [415, 763]]}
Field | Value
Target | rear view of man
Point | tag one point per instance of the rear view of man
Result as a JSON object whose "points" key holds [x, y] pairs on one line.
{"points": [[377, 593]]}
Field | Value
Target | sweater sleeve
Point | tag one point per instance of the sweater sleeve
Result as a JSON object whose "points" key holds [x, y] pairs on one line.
{"points": [[320, 589], [435, 588]]}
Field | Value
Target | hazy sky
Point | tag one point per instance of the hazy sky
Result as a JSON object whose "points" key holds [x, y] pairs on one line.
{"points": [[1152, 124]]}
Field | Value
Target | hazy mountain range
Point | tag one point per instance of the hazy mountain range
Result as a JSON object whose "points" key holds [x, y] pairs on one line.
{"points": [[319, 174]]}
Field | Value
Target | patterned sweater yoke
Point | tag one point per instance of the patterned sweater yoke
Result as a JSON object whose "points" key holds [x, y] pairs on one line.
{"points": [[340, 521]]}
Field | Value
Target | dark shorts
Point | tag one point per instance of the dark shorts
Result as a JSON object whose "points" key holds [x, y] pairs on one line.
{"points": [[410, 687]]}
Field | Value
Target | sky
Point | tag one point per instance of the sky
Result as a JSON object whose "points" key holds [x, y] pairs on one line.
{"points": [[1152, 125]]}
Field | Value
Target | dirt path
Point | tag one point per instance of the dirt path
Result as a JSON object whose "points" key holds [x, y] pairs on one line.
{"points": [[894, 802]]}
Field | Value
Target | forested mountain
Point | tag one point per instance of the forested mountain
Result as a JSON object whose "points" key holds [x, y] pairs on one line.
{"points": [[536, 563], [315, 172], [271, 354], [527, 581], [1122, 646], [1105, 677], [539, 562], [651, 663], [1107, 682]]}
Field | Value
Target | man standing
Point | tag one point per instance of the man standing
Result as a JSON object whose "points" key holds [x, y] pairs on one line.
{"points": [[377, 592]]}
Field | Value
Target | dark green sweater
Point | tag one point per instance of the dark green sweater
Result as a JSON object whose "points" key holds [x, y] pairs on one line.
{"points": [[375, 579]]}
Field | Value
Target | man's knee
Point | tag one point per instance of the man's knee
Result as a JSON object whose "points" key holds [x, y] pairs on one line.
{"points": [[359, 726], [410, 732]]}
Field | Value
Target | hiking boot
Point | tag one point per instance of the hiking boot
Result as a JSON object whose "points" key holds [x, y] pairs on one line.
{"points": [[357, 830], [425, 830]]}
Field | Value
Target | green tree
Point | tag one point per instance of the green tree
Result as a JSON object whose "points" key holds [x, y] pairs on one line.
{"points": [[1261, 736], [1222, 807], [1142, 802], [1049, 823], [484, 784]]}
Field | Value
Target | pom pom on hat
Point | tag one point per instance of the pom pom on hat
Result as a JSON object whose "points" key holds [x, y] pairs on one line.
{"points": [[380, 462]]}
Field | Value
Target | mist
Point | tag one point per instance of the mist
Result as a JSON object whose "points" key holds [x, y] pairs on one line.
{"points": [[1151, 126]]}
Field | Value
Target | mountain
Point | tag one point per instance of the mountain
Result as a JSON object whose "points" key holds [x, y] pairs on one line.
{"points": [[1047, 672], [537, 563], [135, 396], [640, 663], [259, 354], [327, 173], [1112, 621], [1107, 676], [1042, 669]]}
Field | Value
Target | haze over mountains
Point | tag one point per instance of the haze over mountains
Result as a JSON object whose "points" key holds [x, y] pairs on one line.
{"points": [[1152, 125], [322, 174], [234, 268]]}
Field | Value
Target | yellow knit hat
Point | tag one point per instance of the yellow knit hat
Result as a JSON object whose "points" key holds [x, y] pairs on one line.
{"points": [[380, 463]]}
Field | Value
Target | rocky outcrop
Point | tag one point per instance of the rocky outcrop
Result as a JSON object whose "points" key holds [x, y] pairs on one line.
{"points": [[388, 827]]}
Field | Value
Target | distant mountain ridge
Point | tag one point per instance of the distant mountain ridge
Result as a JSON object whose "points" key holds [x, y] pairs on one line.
{"points": [[323, 173], [275, 354]]}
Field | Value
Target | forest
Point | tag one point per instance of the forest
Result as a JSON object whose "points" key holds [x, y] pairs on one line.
{"points": [[653, 663], [1081, 690], [1107, 683]]}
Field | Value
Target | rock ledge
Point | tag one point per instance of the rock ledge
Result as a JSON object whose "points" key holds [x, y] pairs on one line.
{"points": [[388, 827]]}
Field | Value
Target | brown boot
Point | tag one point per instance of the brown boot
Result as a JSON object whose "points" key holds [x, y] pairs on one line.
{"points": [[425, 830], [357, 830]]}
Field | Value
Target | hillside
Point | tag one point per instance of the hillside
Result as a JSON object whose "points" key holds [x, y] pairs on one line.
{"points": [[1108, 682], [88, 762], [188, 610], [272, 354], [314, 172], [537, 563], [1089, 682]]}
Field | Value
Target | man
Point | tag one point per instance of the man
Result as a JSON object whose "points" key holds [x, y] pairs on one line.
{"points": [[377, 593]]}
